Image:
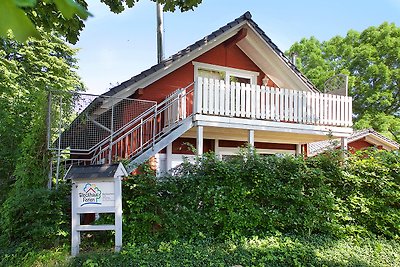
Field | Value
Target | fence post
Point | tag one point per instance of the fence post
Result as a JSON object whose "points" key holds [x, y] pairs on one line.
{"points": [[111, 135], [48, 121], [154, 125], [198, 95], [59, 144]]}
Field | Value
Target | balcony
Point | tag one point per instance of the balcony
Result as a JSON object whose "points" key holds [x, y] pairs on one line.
{"points": [[235, 100]]}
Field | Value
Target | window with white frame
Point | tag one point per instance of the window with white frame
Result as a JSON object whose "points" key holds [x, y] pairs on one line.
{"points": [[224, 73]]}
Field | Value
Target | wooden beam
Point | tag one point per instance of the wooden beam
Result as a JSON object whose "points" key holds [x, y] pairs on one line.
{"points": [[169, 156], [251, 138], [199, 140], [298, 149], [236, 38]]}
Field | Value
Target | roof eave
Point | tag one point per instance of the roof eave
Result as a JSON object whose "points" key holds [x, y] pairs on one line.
{"points": [[177, 63]]}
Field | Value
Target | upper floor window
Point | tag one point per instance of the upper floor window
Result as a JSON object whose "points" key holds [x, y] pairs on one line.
{"points": [[224, 73]]}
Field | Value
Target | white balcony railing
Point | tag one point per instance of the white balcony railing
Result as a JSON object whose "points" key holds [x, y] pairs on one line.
{"points": [[214, 97]]}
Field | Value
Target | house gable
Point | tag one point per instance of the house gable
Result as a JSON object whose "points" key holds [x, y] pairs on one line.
{"points": [[221, 56], [359, 140], [250, 44]]}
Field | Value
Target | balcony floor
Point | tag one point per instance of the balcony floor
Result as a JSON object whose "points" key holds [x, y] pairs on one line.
{"points": [[218, 127]]}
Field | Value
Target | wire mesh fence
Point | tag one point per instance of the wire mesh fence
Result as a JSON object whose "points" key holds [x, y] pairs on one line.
{"points": [[79, 122]]}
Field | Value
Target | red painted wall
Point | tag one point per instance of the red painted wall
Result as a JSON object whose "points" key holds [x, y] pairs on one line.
{"points": [[260, 145], [359, 145], [220, 55], [180, 146]]}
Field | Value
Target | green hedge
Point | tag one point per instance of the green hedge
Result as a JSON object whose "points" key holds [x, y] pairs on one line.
{"points": [[368, 194], [36, 218], [252, 194], [332, 211]]}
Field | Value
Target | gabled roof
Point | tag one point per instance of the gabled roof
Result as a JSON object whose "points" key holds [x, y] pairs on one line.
{"points": [[371, 136], [245, 18], [96, 171]]}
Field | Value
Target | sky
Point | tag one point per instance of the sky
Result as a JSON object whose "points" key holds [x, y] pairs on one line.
{"points": [[115, 47]]}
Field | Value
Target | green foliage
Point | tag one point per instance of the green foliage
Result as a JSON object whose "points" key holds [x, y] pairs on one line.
{"points": [[369, 193], [36, 218], [141, 207], [371, 59], [248, 210], [250, 195], [27, 72], [30, 215], [22, 17], [274, 250], [66, 17], [244, 196]]}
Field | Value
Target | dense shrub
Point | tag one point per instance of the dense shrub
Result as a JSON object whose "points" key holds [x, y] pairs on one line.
{"points": [[251, 194], [243, 196], [141, 206], [369, 193], [35, 218], [223, 213]]}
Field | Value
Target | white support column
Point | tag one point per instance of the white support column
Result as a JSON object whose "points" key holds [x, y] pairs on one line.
{"points": [[118, 213], [216, 148], [251, 138], [75, 222], [199, 140], [169, 157], [344, 143], [298, 149]]}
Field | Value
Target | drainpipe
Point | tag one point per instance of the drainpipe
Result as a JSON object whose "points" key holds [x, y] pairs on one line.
{"points": [[160, 37]]}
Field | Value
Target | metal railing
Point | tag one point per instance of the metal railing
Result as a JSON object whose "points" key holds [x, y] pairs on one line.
{"points": [[214, 97], [148, 128]]}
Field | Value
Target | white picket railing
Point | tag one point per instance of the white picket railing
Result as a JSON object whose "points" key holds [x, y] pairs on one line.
{"points": [[214, 97]]}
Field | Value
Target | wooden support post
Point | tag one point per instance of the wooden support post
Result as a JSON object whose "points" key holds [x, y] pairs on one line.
{"points": [[199, 140], [251, 138], [118, 213], [216, 148], [169, 157], [298, 149], [75, 222], [344, 143]]}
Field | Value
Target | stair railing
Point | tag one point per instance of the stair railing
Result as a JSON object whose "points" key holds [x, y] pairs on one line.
{"points": [[148, 128]]}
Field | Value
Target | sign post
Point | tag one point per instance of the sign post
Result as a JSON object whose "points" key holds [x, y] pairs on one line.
{"points": [[96, 189]]}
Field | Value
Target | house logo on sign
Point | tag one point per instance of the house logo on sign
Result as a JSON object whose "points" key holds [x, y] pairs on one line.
{"points": [[91, 195]]}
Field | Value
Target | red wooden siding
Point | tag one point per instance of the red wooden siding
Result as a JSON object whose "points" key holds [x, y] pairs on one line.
{"points": [[220, 55], [259, 145], [359, 145], [180, 146]]}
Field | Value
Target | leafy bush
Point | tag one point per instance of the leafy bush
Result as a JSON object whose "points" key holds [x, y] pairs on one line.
{"points": [[141, 206], [246, 195], [251, 195], [36, 218], [369, 193]]}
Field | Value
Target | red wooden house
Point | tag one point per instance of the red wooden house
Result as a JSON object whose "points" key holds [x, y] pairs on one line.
{"points": [[231, 87], [359, 140]]}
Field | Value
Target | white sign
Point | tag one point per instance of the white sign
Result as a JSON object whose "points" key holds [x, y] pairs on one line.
{"points": [[95, 194]]}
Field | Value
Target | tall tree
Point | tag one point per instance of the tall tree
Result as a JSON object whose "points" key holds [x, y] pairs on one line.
{"points": [[64, 16], [27, 72], [372, 61]]}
